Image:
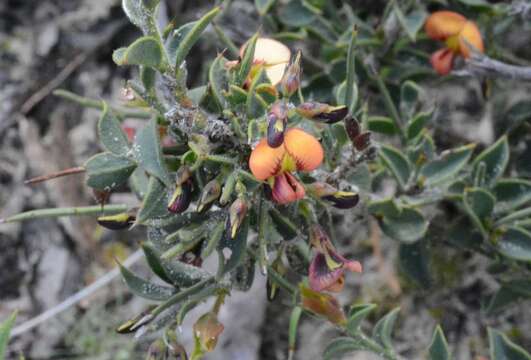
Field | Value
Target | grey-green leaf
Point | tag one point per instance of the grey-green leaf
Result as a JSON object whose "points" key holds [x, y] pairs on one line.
{"points": [[438, 349], [414, 261], [397, 163], [382, 125], [111, 134], [144, 288], [496, 158], [155, 203], [148, 152], [417, 123], [511, 193], [193, 35], [247, 60], [236, 246], [106, 171], [219, 80], [384, 327], [155, 264], [341, 346], [501, 348], [515, 243], [446, 166], [479, 204], [146, 51], [5, 330], [356, 315], [408, 226], [263, 6], [410, 93]]}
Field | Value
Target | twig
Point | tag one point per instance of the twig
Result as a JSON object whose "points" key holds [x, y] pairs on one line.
{"points": [[71, 171], [77, 297], [483, 65], [37, 97], [66, 211]]}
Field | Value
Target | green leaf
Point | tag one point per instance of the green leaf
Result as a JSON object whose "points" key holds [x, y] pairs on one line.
{"points": [[382, 125], [340, 94], [438, 349], [111, 134], [155, 264], [118, 56], [243, 275], [351, 89], [508, 293], [193, 35], [256, 106], [135, 11], [341, 346], [356, 315], [501, 348], [293, 326], [409, 226], [183, 275], [447, 166], [5, 330], [175, 39], [411, 23], [148, 152], [417, 123], [410, 93], [515, 243], [155, 203], [414, 261], [511, 193], [263, 6], [479, 204], [283, 224], [139, 183], [148, 76], [496, 158], [106, 171], [146, 51], [384, 207], [397, 163], [219, 81], [384, 328], [247, 61], [236, 246], [144, 288], [295, 14]]}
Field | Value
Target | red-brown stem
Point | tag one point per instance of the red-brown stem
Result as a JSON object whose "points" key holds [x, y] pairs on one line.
{"points": [[70, 171]]}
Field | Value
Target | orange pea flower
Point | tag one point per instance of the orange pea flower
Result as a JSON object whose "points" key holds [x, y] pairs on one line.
{"points": [[457, 32], [300, 151]]}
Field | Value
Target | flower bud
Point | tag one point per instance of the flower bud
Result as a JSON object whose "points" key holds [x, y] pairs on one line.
{"points": [[322, 112], [322, 304], [237, 213], [277, 121], [352, 126], [181, 198], [118, 221], [362, 141], [228, 189], [132, 324], [183, 175], [210, 193], [339, 199], [291, 79], [207, 329]]}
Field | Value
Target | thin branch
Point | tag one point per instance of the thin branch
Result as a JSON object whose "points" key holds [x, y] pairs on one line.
{"points": [[67, 211], [66, 172], [483, 65], [77, 297]]}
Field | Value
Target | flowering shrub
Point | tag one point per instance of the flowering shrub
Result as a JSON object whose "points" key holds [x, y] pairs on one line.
{"points": [[257, 150]]}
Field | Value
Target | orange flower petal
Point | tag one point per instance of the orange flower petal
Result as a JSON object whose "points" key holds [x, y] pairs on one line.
{"points": [[442, 61], [470, 33], [266, 161], [304, 149], [443, 24]]}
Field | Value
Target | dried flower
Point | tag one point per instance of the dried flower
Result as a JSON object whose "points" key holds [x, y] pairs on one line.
{"points": [[457, 32], [210, 193], [292, 76], [327, 268], [339, 199], [207, 329], [237, 213], [322, 304], [300, 151]]}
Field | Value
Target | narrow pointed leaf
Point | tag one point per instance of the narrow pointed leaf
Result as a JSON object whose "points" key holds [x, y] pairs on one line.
{"points": [[341, 346], [5, 330], [446, 166], [175, 39], [384, 328], [397, 164], [263, 6], [438, 349], [154, 262], [219, 81], [496, 158], [356, 315], [155, 203], [479, 204], [111, 134], [247, 60], [417, 123], [501, 348], [148, 153], [144, 288]]}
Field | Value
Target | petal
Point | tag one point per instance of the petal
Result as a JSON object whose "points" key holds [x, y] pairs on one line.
{"points": [[266, 161], [287, 189], [322, 304], [275, 55], [443, 24], [319, 275], [470, 33], [304, 149], [442, 61]]}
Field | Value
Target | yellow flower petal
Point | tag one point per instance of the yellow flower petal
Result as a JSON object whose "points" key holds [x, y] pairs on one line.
{"points": [[304, 149], [470, 33]]}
